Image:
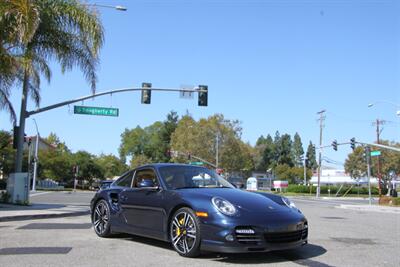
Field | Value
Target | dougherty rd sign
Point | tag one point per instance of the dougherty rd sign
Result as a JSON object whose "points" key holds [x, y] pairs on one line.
{"points": [[99, 111]]}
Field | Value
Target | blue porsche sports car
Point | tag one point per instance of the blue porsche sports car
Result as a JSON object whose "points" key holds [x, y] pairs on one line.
{"points": [[195, 209]]}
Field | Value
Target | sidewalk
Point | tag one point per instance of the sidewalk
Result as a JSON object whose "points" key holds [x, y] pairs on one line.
{"points": [[373, 208], [10, 212]]}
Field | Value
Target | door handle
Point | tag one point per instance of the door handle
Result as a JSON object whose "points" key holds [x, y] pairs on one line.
{"points": [[124, 198]]}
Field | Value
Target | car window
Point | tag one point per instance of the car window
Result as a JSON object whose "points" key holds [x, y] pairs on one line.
{"points": [[145, 174], [176, 177], [125, 180]]}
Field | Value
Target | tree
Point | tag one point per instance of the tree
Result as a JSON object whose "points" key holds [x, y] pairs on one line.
{"points": [[6, 153], [40, 31], [110, 165], [170, 125], [147, 141], [355, 165], [266, 150], [54, 140], [18, 21], [283, 150], [298, 151], [390, 161], [311, 162], [200, 139], [88, 168], [56, 165], [139, 160]]}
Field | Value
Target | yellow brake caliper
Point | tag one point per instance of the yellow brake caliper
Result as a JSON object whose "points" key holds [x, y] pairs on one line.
{"points": [[178, 231]]}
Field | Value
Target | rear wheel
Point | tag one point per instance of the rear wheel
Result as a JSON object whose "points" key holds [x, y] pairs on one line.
{"points": [[101, 219], [185, 233]]}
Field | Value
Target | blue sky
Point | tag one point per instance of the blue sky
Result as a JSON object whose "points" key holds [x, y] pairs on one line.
{"points": [[270, 64]]}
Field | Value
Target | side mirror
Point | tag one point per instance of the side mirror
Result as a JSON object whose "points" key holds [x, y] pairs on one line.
{"points": [[147, 183]]}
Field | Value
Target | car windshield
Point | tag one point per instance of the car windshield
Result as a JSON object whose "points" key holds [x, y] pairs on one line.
{"points": [[178, 177]]}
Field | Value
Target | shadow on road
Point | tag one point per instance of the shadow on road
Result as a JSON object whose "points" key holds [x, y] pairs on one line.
{"points": [[9, 207], [300, 256]]}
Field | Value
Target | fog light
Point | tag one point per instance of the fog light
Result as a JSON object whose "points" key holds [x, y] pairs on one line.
{"points": [[229, 238]]}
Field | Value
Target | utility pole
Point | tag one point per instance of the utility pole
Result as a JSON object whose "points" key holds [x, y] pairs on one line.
{"points": [[321, 126], [216, 150], [368, 158], [378, 132], [305, 170]]}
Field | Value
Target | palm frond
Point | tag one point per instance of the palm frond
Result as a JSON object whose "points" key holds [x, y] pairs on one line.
{"points": [[5, 104]]}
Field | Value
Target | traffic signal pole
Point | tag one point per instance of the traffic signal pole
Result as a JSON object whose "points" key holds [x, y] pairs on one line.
{"points": [[25, 114], [122, 90]]}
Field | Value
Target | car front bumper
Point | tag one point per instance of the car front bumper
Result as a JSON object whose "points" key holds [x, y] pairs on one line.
{"points": [[221, 234]]}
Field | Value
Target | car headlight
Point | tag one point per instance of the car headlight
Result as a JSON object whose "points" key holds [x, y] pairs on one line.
{"points": [[223, 206], [289, 203]]}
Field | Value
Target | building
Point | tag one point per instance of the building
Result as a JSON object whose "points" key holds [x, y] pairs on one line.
{"points": [[339, 176]]}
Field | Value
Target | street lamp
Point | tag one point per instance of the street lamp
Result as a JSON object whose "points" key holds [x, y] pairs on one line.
{"points": [[387, 102], [119, 8]]}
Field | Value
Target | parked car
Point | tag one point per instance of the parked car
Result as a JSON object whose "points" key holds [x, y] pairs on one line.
{"points": [[196, 210]]}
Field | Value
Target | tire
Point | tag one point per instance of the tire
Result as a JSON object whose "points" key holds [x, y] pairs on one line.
{"points": [[185, 233], [101, 219]]}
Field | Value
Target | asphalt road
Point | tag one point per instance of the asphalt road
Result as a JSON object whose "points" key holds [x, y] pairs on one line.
{"points": [[338, 237], [67, 198]]}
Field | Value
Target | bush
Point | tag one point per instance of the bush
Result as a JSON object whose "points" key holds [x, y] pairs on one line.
{"points": [[391, 201], [3, 184], [5, 197], [293, 188]]}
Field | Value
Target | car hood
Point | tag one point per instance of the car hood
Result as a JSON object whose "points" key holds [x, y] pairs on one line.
{"points": [[243, 200]]}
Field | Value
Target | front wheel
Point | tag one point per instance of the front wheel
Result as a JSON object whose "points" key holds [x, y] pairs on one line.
{"points": [[185, 233], [101, 219]]}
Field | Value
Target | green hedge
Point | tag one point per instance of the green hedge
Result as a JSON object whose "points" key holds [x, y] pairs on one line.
{"points": [[324, 189], [3, 184]]}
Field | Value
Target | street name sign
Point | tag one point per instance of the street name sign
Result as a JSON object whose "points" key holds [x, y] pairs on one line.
{"points": [[375, 153], [198, 163], [99, 111]]}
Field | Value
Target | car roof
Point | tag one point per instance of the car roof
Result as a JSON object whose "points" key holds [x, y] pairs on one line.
{"points": [[158, 165]]}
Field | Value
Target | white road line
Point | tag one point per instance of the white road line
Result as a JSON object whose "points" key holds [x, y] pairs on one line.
{"points": [[40, 193]]}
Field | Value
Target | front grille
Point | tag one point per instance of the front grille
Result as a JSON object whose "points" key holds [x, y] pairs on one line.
{"points": [[304, 233], [285, 237]]}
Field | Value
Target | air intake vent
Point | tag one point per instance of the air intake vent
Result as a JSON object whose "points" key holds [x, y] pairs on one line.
{"points": [[285, 237]]}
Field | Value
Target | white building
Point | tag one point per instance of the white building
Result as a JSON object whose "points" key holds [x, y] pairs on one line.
{"points": [[331, 176]]}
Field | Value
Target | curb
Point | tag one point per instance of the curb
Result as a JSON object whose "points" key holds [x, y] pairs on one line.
{"points": [[372, 208], [42, 216]]}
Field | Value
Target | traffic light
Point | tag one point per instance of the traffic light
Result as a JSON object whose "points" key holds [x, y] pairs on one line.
{"points": [[353, 143], [146, 93], [203, 96], [15, 137], [334, 145]]}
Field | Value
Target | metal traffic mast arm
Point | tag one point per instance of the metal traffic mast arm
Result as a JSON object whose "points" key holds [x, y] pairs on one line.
{"points": [[115, 91], [368, 144]]}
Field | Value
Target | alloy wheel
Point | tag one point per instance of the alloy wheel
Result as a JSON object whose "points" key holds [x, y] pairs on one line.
{"points": [[101, 218], [183, 232]]}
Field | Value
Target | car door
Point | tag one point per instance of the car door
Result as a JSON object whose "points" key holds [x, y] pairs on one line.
{"points": [[143, 207]]}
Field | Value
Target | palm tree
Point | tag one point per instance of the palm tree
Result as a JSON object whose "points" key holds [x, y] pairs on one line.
{"points": [[39, 31]]}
